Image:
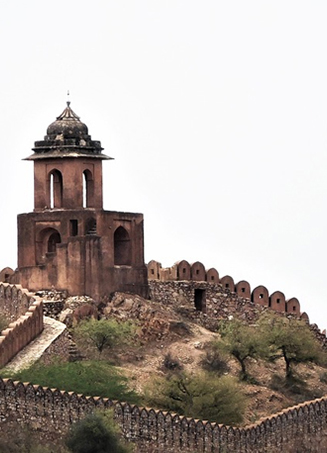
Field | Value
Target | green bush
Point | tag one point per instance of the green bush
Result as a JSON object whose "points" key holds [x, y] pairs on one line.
{"points": [[105, 333], [199, 396], [96, 433], [94, 378]]}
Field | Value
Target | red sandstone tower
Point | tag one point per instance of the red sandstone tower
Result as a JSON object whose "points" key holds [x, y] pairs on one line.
{"points": [[69, 242]]}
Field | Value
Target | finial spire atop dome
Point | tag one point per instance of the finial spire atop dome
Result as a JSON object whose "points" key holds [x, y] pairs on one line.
{"points": [[69, 114]]}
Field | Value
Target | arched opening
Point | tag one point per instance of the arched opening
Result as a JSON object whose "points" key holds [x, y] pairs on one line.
{"points": [[53, 240], [122, 247], [46, 242], [88, 189], [55, 190]]}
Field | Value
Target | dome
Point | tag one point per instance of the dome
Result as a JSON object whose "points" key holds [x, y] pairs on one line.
{"points": [[67, 136], [67, 125]]}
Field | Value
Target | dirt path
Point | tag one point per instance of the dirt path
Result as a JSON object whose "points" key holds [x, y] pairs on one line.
{"points": [[34, 350]]}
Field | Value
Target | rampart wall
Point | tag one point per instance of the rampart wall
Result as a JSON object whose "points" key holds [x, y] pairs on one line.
{"points": [[302, 428], [209, 281], [25, 312]]}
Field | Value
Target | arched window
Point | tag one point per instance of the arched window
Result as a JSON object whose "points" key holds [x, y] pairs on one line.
{"points": [[122, 247], [55, 189], [88, 189], [53, 240]]}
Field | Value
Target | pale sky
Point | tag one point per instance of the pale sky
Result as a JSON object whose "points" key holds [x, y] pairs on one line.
{"points": [[216, 115]]}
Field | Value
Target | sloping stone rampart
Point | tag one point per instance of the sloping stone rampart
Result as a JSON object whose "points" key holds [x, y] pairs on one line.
{"points": [[302, 428], [26, 313]]}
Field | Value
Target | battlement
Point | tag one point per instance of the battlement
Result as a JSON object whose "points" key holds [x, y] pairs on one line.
{"points": [[209, 280]]}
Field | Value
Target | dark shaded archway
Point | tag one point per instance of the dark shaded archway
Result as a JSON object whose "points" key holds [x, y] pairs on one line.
{"points": [[53, 240], [122, 247]]}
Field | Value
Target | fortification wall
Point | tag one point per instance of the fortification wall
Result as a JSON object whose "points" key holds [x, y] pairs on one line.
{"points": [[196, 273], [203, 303], [25, 312], [302, 428]]}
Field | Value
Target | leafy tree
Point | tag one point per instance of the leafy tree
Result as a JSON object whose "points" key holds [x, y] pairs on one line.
{"points": [[199, 396], [105, 333], [96, 433], [239, 340], [290, 339]]}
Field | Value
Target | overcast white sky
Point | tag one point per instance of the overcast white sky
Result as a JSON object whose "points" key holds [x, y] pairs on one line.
{"points": [[216, 115]]}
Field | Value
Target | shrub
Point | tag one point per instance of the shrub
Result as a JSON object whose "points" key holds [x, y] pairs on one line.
{"points": [[214, 359], [96, 433], [105, 333], [171, 364], [199, 396]]}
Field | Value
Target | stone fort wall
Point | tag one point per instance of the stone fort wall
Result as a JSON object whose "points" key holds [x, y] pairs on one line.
{"points": [[206, 290], [203, 286], [25, 314], [302, 428]]}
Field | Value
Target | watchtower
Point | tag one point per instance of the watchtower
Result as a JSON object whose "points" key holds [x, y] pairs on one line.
{"points": [[69, 242]]}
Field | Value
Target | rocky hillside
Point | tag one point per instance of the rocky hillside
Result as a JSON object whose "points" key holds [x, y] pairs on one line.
{"points": [[171, 338]]}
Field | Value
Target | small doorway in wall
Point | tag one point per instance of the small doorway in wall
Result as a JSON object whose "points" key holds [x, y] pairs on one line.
{"points": [[200, 299]]}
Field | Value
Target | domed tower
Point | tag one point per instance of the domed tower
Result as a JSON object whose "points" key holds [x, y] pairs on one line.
{"points": [[69, 242], [67, 154]]}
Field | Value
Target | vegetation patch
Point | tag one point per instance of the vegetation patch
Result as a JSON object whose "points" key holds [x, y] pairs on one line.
{"points": [[199, 396], [96, 433], [93, 378], [104, 334]]}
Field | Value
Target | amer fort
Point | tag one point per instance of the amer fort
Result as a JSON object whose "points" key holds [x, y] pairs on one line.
{"points": [[71, 244]]}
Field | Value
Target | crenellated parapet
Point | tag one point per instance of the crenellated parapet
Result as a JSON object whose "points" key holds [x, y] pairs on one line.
{"points": [[299, 428], [183, 271], [25, 311]]}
